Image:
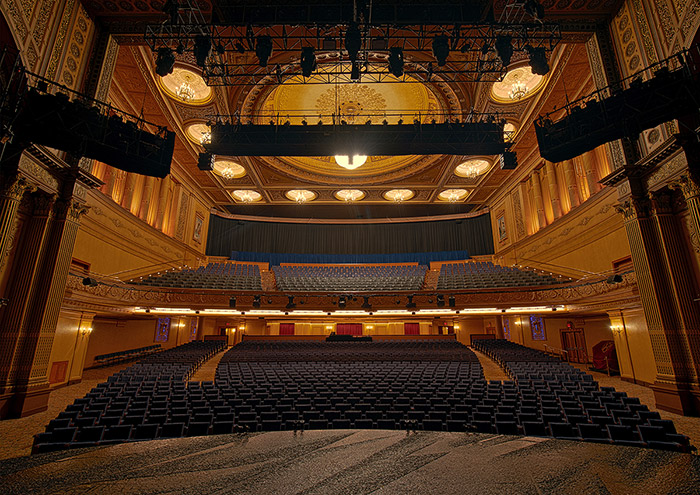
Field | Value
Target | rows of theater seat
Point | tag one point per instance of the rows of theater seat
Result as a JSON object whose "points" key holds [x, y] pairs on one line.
{"points": [[351, 278], [478, 274], [233, 276], [552, 398], [147, 400]]}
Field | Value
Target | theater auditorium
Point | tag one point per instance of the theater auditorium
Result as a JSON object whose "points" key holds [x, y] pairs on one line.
{"points": [[349, 246]]}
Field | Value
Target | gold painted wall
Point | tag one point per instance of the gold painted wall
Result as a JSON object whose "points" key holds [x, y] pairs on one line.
{"points": [[70, 344]]}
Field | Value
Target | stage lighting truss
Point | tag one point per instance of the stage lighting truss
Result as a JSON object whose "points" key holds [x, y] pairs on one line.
{"points": [[472, 50]]}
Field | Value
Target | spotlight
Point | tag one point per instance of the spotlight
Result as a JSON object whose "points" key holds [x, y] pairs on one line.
{"points": [[612, 279], [232, 302], [91, 282], [538, 60], [341, 302], [263, 49], [410, 303], [165, 61], [366, 304], [504, 49], [440, 300], [269, 300], [171, 8], [308, 61], [535, 9], [205, 162], [353, 41], [355, 72], [396, 61], [180, 48], [451, 301], [256, 301], [290, 304], [441, 49], [202, 48]]}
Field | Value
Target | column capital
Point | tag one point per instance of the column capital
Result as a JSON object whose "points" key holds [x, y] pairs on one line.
{"points": [[634, 208], [43, 204], [14, 187], [688, 186], [661, 202]]}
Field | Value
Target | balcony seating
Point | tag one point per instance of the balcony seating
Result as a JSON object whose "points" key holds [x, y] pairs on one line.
{"points": [[349, 278], [230, 276], [484, 275]]}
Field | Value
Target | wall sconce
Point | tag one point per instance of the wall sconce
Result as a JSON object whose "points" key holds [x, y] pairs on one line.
{"points": [[456, 327], [86, 331], [616, 329]]}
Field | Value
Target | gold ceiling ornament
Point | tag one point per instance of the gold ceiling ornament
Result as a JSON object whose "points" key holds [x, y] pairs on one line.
{"points": [[205, 138], [453, 195], [350, 162], [518, 84], [184, 84], [349, 195], [228, 169], [473, 168], [198, 132], [246, 196], [300, 196], [398, 195]]}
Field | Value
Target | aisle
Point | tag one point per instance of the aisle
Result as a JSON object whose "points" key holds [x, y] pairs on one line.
{"points": [[207, 372], [492, 371]]}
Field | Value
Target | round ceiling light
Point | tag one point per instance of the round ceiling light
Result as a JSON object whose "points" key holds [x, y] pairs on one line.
{"points": [[453, 195], [350, 162], [199, 133], [228, 169], [518, 84], [246, 196], [301, 196], [399, 195], [471, 169], [185, 85], [349, 195]]}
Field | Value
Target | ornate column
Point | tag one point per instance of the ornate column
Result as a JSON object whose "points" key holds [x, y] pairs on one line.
{"points": [[674, 365], [570, 177], [23, 280], [11, 193], [162, 202], [527, 210], [146, 198], [539, 201], [690, 188], [589, 167], [553, 189], [44, 304]]}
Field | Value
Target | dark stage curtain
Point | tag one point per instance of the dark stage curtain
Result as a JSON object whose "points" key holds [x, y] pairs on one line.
{"points": [[470, 234]]}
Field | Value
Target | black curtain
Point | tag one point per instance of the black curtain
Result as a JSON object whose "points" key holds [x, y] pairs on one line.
{"points": [[471, 234]]}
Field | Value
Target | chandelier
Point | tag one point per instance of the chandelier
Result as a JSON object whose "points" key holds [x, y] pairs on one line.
{"points": [[453, 197], [517, 91], [228, 173], [350, 162], [471, 172], [205, 138], [246, 197], [185, 92]]}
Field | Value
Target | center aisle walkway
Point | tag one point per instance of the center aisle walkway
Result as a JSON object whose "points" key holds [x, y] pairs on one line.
{"points": [[492, 371], [207, 372]]}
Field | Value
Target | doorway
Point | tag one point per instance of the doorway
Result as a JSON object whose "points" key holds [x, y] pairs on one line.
{"points": [[573, 341]]}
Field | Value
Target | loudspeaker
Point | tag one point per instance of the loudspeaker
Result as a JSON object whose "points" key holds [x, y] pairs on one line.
{"points": [[614, 279], [90, 282], [205, 162], [509, 160]]}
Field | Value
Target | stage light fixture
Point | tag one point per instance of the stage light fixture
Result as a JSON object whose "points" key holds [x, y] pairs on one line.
{"points": [[202, 48], [441, 49], [612, 279], [308, 61], [263, 49], [205, 162], [538, 60], [355, 72], [451, 301], [256, 301], [290, 303], [410, 304], [440, 300], [396, 61], [353, 41], [504, 49], [342, 302], [165, 61], [366, 304], [535, 9], [232, 302], [171, 8], [90, 282]]}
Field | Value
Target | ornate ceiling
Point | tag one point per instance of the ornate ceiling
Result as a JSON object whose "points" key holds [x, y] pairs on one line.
{"points": [[267, 181]]}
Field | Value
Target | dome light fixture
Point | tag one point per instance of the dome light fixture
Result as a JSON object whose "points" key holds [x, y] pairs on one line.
{"points": [[185, 92], [350, 162], [518, 91]]}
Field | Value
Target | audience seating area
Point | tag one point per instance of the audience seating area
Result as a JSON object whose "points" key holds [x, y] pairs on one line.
{"points": [[234, 276], [413, 385], [141, 402], [351, 278], [484, 275], [117, 357], [552, 398]]}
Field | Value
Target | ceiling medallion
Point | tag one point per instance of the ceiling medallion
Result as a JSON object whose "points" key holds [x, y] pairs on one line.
{"points": [[228, 169], [246, 196], [350, 162], [185, 92], [184, 84], [205, 138], [349, 195], [453, 195], [517, 85], [300, 196], [471, 169], [398, 195]]}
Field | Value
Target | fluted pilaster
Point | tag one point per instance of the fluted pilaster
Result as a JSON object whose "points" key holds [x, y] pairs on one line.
{"points": [[553, 189]]}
